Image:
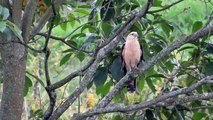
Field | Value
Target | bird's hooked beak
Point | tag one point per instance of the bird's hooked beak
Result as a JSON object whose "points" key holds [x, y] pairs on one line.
{"points": [[134, 34]]}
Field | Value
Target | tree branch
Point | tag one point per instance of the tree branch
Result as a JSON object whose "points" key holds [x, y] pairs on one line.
{"points": [[25, 45], [71, 76], [110, 44], [51, 93], [45, 18], [27, 19], [161, 100], [166, 51], [166, 7], [63, 41]]}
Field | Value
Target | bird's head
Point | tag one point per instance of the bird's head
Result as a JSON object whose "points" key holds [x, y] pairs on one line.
{"points": [[132, 35]]}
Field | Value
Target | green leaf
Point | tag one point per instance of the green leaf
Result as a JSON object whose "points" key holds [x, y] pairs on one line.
{"points": [[72, 23], [87, 27], [67, 51], [72, 43], [166, 28], [100, 76], [85, 6], [185, 48], [37, 113], [83, 11], [150, 84], [27, 85], [64, 26], [3, 26], [4, 13], [78, 35], [186, 64], [107, 28], [39, 80], [15, 30], [116, 69], [141, 84], [71, 16], [157, 3], [65, 59], [209, 68], [156, 75], [198, 115], [196, 26], [80, 56], [103, 89]]}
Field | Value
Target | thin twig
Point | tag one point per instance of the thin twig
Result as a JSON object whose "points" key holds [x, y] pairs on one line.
{"points": [[39, 25], [165, 7], [51, 93], [25, 45], [64, 41]]}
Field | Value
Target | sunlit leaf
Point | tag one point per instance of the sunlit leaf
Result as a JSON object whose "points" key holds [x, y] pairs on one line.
{"points": [[83, 11], [157, 3], [64, 26], [141, 84]]}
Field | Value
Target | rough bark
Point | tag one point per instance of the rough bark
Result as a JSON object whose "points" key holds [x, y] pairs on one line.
{"points": [[13, 60]]}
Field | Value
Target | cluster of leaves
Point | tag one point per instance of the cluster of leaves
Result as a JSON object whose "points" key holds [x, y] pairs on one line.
{"points": [[8, 28]]}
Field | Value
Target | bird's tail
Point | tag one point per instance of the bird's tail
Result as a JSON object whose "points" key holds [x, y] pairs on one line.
{"points": [[131, 85]]}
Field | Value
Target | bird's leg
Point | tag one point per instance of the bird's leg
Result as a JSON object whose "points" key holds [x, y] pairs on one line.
{"points": [[135, 68]]}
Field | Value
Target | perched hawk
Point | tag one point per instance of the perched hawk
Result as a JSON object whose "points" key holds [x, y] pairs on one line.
{"points": [[132, 54]]}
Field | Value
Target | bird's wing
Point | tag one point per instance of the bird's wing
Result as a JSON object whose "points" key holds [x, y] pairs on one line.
{"points": [[141, 47], [122, 58]]}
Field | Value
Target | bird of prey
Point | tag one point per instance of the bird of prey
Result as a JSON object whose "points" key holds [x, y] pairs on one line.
{"points": [[131, 55]]}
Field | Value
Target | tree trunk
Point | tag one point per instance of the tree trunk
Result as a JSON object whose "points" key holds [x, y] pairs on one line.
{"points": [[13, 59]]}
